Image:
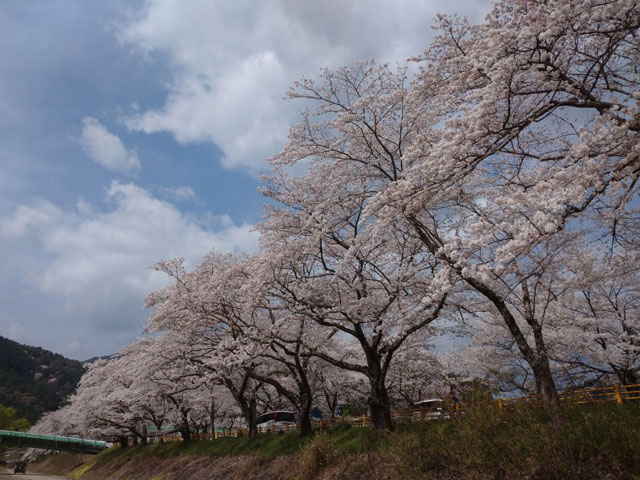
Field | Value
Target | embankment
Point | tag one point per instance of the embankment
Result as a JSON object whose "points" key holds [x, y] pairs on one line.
{"points": [[589, 442]]}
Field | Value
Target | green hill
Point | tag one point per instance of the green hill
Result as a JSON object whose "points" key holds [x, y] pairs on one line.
{"points": [[34, 380]]}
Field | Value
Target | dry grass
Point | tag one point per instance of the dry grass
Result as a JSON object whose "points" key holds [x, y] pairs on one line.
{"points": [[592, 442], [315, 457]]}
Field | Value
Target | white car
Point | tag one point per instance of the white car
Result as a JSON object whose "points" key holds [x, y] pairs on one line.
{"points": [[431, 408], [278, 420]]}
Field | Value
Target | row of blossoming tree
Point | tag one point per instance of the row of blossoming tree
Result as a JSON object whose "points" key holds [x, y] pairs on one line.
{"points": [[493, 198]]}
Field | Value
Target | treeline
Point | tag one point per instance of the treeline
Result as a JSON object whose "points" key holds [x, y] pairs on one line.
{"points": [[34, 380]]}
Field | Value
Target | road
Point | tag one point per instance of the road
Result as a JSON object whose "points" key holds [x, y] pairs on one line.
{"points": [[6, 474]]}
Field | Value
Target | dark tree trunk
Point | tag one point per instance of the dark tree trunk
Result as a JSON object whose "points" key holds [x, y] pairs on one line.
{"points": [[143, 435], [305, 423], [379, 403], [248, 409], [380, 407], [247, 405], [158, 426], [185, 429], [306, 400], [543, 376], [626, 376], [332, 402], [212, 418]]}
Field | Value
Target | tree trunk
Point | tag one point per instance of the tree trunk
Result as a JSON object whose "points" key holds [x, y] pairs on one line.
{"points": [[158, 426], [306, 402], [379, 405], [185, 430], [626, 376], [537, 358], [247, 406], [248, 409], [380, 413], [212, 418], [143, 434], [186, 434], [543, 375], [305, 423], [332, 403]]}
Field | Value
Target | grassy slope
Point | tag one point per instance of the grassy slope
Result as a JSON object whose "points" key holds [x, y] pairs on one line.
{"points": [[592, 442]]}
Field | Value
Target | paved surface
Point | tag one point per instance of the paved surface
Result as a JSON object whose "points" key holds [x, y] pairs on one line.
{"points": [[6, 474]]}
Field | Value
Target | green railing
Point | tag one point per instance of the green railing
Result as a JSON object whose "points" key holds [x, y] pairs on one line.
{"points": [[51, 442]]}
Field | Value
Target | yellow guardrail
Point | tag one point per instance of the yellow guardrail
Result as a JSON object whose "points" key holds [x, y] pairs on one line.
{"points": [[615, 393]]}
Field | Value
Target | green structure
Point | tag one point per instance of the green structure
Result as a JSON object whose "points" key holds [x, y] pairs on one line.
{"points": [[50, 442]]}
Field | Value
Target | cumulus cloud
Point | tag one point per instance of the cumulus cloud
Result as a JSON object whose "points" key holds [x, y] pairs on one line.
{"points": [[106, 149], [236, 59], [95, 249], [91, 273]]}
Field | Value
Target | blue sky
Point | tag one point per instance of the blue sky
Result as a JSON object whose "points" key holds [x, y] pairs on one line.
{"points": [[136, 131]]}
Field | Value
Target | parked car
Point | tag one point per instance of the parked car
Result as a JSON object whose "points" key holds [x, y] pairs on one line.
{"points": [[20, 467], [280, 419], [432, 408]]}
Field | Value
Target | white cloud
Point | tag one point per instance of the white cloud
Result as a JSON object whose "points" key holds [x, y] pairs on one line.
{"points": [[235, 59], [181, 193], [98, 250], [88, 269], [30, 217], [106, 149]]}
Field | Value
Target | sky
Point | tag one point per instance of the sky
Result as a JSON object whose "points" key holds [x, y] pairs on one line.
{"points": [[132, 132]]}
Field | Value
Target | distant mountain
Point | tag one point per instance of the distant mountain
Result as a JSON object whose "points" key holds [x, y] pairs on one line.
{"points": [[34, 380], [93, 359]]}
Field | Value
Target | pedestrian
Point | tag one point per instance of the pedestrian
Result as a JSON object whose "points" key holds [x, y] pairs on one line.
{"points": [[452, 401]]}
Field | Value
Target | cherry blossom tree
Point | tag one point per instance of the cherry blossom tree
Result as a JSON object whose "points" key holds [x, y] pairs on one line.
{"points": [[597, 327], [207, 307], [334, 267], [498, 191], [538, 133], [515, 130]]}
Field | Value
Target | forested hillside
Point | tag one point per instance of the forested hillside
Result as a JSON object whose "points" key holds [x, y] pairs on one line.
{"points": [[34, 380]]}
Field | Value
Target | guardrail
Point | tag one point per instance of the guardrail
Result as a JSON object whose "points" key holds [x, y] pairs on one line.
{"points": [[615, 393]]}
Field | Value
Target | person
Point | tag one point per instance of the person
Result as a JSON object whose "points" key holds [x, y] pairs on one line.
{"points": [[452, 401]]}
